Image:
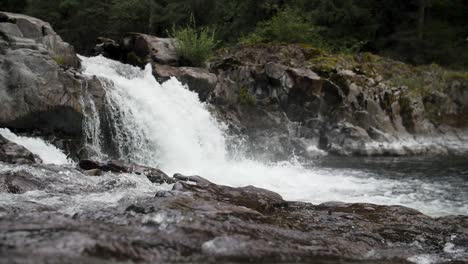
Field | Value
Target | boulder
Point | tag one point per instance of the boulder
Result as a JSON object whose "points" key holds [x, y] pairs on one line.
{"points": [[198, 80], [18, 182], [35, 91], [41, 89], [146, 48], [258, 199], [108, 48], [11, 152], [21, 31], [93, 168], [138, 49]]}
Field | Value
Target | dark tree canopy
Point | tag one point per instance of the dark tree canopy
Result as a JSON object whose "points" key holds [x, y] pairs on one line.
{"points": [[416, 31]]}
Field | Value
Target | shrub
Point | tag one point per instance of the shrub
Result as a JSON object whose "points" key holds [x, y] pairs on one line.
{"points": [[194, 45]]}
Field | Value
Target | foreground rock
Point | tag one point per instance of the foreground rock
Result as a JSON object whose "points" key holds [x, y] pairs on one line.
{"points": [[198, 221], [154, 175], [11, 152], [19, 182]]}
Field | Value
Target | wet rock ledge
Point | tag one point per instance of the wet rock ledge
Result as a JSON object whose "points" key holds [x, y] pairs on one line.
{"points": [[197, 221]]}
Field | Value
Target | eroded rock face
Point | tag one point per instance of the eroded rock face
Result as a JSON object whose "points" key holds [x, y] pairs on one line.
{"points": [[201, 222], [35, 91], [41, 87], [198, 80], [340, 110]]}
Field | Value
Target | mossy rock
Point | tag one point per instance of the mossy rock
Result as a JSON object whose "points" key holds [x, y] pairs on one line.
{"points": [[134, 59], [324, 64], [311, 52], [433, 113], [459, 121], [457, 75], [60, 60], [368, 57]]}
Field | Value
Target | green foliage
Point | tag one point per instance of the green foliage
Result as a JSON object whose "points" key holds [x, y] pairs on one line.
{"points": [[457, 75], [60, 60], [288, 26], [415, 83], [194, 45], [245, 98], [397, 28]]}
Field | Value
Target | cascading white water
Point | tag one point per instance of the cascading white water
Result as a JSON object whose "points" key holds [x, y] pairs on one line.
{"points": [[47, 152], [91, 124], [166, 125]]}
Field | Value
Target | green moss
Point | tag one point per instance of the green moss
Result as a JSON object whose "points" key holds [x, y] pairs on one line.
{"points": [[245, 98], [432, 112], [324, 63], [368, 57], [457, 75], [415, 84], [311, 52], [60, 60]]}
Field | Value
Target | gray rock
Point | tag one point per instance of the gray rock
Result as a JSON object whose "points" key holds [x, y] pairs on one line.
{"points": [[154, 175], [215, 224], [40, 86], [19, 182], [140, 49], [11, 152], [93, 172], [198, 80], [25, 29], [349, 112]]}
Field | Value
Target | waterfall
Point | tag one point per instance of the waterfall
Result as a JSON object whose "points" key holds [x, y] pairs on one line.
{"points": [[165, 125], [92, 136], [157, 124]]}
